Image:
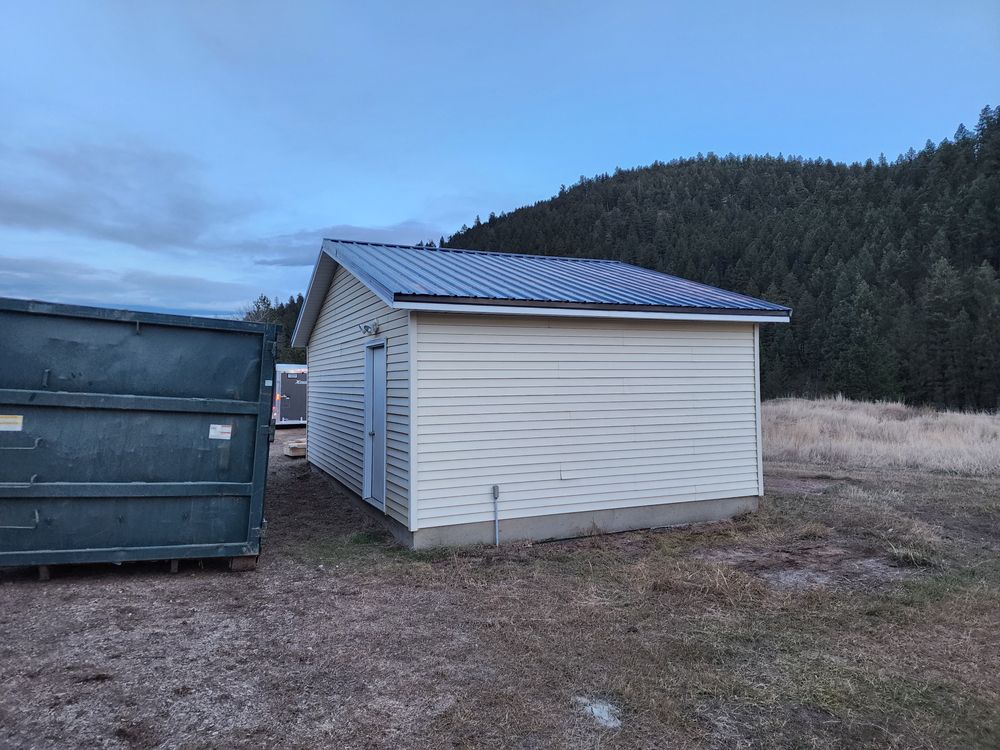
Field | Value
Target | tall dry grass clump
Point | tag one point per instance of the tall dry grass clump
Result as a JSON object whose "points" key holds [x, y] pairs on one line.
{"points": [[840, 432]]}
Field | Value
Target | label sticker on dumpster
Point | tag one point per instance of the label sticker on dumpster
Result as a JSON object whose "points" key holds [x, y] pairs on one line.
{"points": [[11, 422], [220, 432]]}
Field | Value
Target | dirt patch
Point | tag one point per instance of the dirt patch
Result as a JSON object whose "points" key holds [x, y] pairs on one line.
{"points": [[736, 725], [809, 565], [798, 485]]}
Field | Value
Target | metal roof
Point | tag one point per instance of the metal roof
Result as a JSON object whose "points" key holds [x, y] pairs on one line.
{"points": [[471, 280]]}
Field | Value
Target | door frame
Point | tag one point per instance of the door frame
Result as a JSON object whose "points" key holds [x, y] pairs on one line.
{"points": [[380, 444]]}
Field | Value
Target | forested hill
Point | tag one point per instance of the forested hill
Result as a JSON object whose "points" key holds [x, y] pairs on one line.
{"points": [[891, 267]]}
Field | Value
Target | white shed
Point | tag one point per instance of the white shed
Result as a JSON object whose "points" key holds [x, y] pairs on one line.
{"points": [[472, 396]]}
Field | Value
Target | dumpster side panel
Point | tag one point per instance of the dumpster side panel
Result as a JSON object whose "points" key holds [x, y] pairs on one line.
{"points": [[130, 436], [130, 446], [81, 523], [86, 355]]}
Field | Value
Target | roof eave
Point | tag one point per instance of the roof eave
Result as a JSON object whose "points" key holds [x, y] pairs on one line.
{"points": [[331, 248], [633, 312], [319, 283]]}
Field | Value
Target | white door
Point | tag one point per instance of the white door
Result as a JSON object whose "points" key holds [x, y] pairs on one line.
{"points": [[374, 484]]}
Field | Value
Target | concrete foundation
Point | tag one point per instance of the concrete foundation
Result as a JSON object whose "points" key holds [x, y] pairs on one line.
{"points": [[563, 525], [585, 523], [569, 525]]}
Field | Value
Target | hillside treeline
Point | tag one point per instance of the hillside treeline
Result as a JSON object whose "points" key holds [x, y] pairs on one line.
{"points": [[265, 310], [890, 266]]}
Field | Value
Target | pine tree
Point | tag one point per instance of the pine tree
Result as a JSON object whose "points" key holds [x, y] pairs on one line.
{"points": [[940, 304], [261, 310], [986, 339]]}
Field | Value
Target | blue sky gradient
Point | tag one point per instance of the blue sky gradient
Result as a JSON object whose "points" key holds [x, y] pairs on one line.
{"points": [[188, 156]]}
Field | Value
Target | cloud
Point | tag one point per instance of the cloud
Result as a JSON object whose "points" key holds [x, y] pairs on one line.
{"points": [[301, 248], [85, 205], [144, 197], [80, 283], [154, 200]]}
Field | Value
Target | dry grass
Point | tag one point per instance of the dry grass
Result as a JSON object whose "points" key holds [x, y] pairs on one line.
{"points": [[851, 434]]}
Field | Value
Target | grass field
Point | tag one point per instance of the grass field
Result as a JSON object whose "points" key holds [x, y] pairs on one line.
{"points": [[885, 435], [859, 608]]}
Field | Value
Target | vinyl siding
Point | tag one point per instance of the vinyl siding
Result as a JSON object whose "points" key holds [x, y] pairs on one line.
{"points": [[336, 413], [570, 414]]}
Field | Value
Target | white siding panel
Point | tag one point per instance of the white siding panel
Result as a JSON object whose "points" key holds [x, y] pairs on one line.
{"points": [[336, 415], [569, 414]]}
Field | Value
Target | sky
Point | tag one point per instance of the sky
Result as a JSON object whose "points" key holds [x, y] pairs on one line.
{"points": [[188, 156]]}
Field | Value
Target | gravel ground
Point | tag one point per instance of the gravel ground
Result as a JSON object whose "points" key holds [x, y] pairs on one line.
{"points": [[342, 639], [132, 656]]}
